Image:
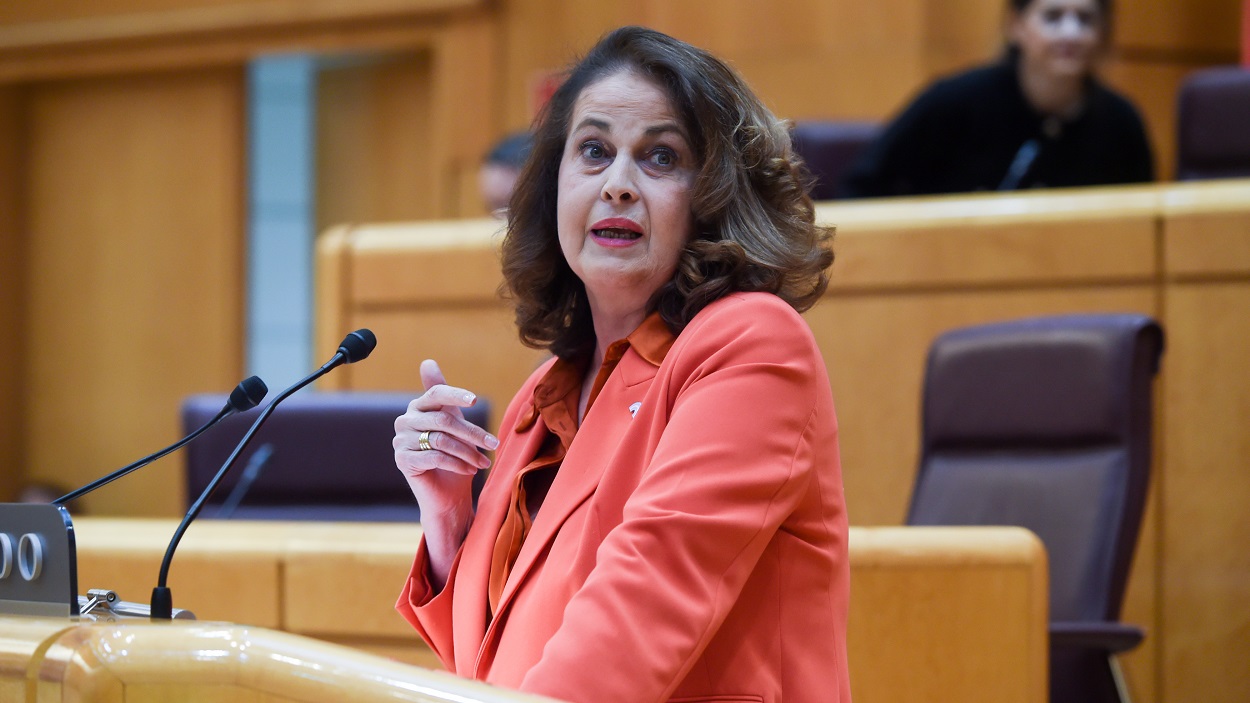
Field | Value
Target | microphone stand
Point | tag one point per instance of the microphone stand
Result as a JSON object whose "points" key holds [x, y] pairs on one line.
{"points": [[355, 347]]}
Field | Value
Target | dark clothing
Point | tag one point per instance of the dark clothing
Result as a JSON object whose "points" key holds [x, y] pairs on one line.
{"points": [[975, 131]]}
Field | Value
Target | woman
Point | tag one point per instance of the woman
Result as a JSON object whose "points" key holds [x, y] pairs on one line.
{"points": [[1038, 118], [664, 519]]}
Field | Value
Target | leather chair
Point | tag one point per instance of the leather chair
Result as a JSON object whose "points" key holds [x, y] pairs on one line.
{"points": [[1213, 111], [319, 456], [1046, 424], [829, 148]]}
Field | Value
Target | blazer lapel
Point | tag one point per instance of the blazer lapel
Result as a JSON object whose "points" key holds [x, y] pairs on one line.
{"points": [[479, 545], [598, 437]]}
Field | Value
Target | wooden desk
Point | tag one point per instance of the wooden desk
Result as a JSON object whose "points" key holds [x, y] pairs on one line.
{"points": [[333, 581], [937, 614]]}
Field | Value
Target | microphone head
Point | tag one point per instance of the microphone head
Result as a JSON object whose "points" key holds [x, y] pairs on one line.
{"points": [[247, 394], [357, 345]]}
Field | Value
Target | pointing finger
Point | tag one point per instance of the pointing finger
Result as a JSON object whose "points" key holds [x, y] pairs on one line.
{"points": [[437, 390]]}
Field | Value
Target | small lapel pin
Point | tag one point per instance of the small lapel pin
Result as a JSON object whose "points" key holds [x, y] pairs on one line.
{"points": [[633, 409]]}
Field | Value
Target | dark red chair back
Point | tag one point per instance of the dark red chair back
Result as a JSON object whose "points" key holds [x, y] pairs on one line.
{"points": [[1045, 423], [829, 148], [1213, 124]]}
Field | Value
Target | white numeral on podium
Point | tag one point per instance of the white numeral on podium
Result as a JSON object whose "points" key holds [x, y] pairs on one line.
{"points": [[28, 555]]}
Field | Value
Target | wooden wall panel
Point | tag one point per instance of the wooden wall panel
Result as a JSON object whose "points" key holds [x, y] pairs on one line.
{"points": [[541, 37], [12, 288], [466, 95], [373, 153], [135, 296], [1206, 487], [865, 58], [69, 22], [1206, 492], [1202, 27], [400, 134]]}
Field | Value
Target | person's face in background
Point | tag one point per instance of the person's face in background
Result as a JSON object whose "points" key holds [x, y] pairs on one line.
{"points": [[496, 182], [624, 194], [1061, 38]]}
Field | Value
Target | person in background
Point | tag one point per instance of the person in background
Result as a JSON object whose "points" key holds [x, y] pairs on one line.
{"points": [[1037, 118], [498, 174], [665, 518]]}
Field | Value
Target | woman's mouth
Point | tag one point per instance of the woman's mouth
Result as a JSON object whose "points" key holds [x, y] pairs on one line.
{"points": [[614, 233]]}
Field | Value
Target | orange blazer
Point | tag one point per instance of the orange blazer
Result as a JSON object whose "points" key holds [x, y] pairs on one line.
{"points": [[694, 549]]}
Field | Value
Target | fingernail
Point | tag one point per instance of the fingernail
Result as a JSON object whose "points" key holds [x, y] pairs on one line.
{"points": [[492, 441], [469, 397]]}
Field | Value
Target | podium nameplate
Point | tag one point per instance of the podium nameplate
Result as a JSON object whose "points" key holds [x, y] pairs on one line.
{"points": [[38, 564]]}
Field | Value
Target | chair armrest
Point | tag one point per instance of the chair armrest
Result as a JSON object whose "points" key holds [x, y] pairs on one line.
{"points": [[1111, 637]]}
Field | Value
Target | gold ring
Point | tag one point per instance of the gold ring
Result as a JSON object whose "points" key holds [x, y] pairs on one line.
{"points": [[424, 441]]}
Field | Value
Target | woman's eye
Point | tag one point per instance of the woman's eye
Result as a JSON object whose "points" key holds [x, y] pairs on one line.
{"points": [[593, 150], [663, 157]]}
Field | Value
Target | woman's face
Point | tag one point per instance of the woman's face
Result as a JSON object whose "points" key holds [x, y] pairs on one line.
{"points": [[623, 206], [1060, 37]]}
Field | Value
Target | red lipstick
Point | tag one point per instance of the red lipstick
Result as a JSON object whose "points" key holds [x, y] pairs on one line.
{"points": [[616, 232]]}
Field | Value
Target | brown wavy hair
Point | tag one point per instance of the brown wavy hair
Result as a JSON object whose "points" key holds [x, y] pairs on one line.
{"points": [[754, 224]]}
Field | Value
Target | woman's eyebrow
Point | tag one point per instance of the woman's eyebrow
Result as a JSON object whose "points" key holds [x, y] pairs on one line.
{"points": [[593, 122], [667, 128]]}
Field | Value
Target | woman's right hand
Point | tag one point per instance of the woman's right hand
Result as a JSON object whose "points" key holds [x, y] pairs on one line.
{"points": [[441, 477]]}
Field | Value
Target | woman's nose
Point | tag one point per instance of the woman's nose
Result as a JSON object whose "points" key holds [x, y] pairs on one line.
{"points": [[618, 182], [1070, 25]]}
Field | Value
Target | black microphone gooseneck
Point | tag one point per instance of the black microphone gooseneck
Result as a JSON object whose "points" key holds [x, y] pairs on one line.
{"points": [[355, 346], [245, 396]]}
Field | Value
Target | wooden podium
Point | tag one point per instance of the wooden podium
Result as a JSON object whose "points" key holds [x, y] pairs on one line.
{"points": [[56, 645], [135, 661]]}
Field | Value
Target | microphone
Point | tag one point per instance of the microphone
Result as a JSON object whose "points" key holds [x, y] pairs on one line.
{"points": [[245, 396], [355, 347]]}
